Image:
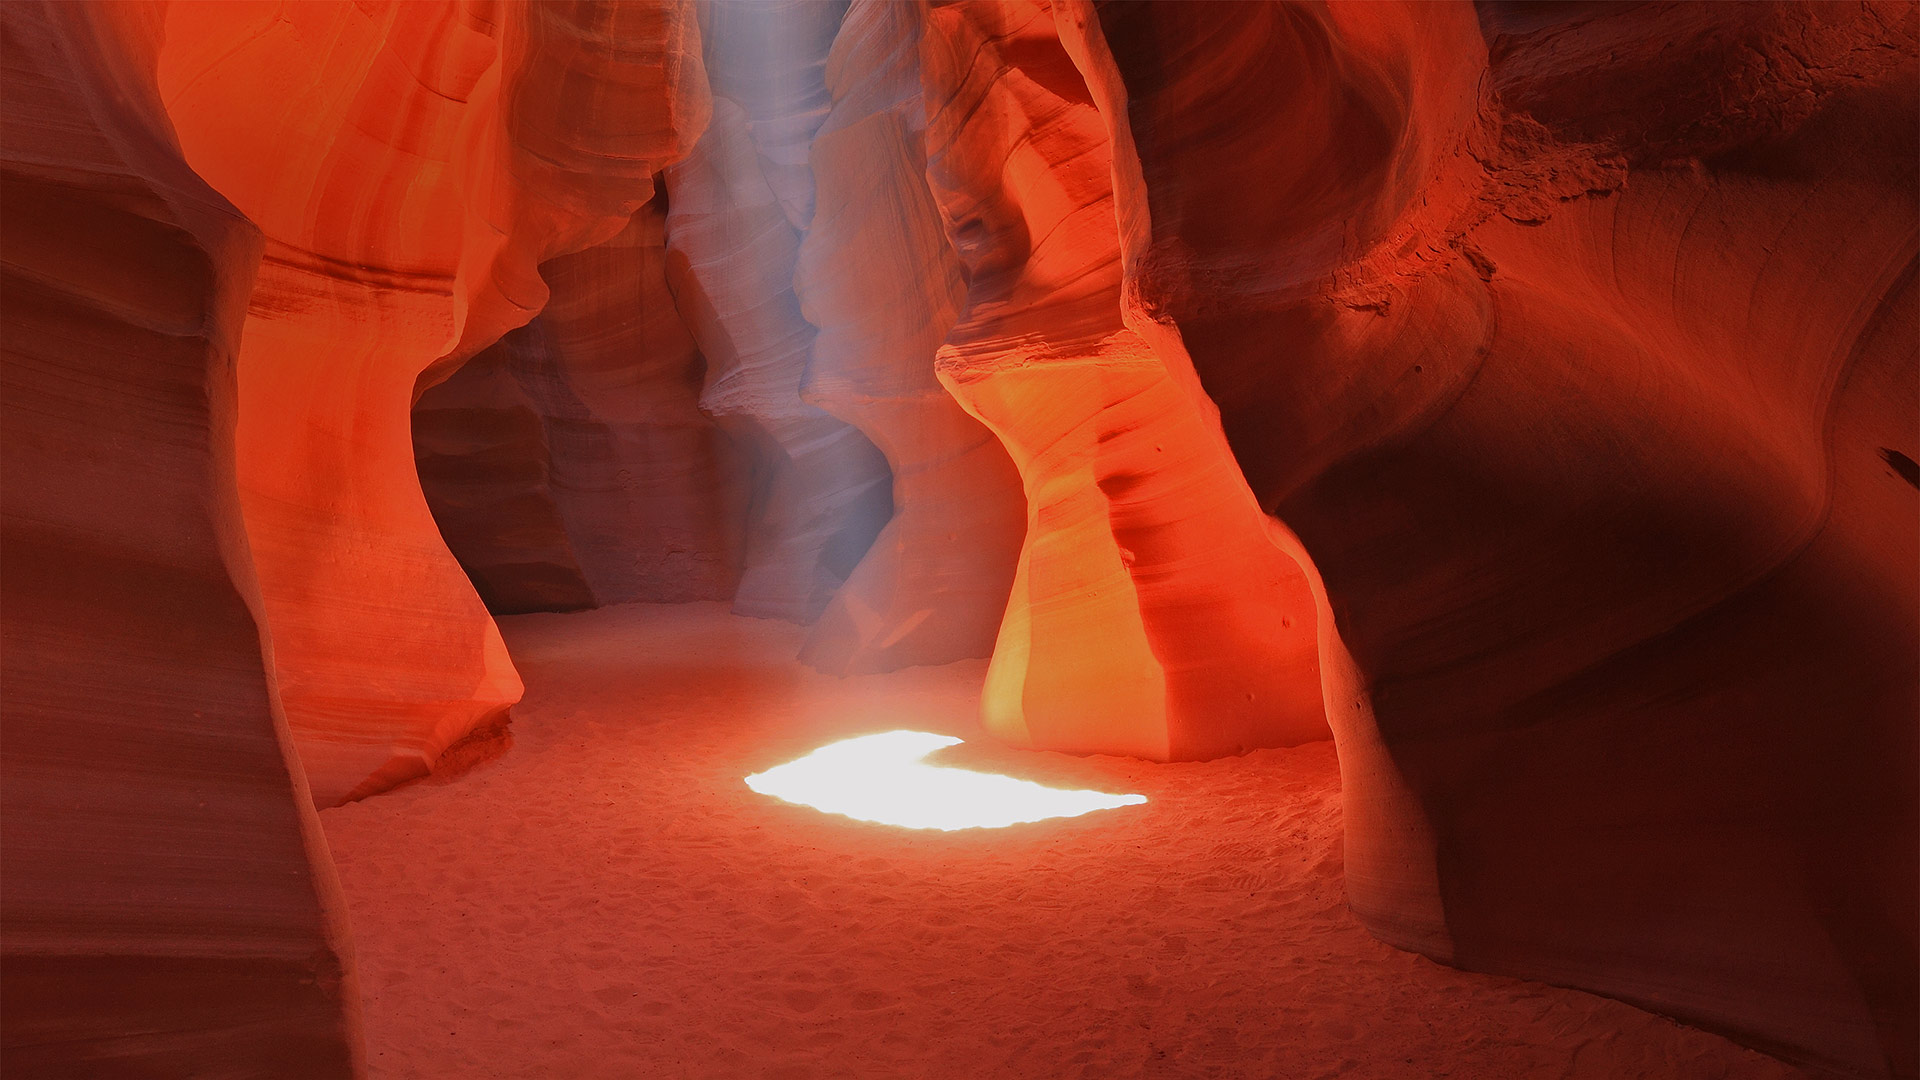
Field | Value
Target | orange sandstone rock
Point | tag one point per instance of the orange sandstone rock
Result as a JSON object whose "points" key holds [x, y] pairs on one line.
{"points": [[410, 166], [1152, 611], [167, 903], [1573, 343], [1588, 401]]}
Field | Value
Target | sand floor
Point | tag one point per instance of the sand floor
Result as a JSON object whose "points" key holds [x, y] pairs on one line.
{"points": [[608, 899]]}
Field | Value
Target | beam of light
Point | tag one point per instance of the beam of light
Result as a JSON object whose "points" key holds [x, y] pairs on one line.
{"points": [[882, 778]]}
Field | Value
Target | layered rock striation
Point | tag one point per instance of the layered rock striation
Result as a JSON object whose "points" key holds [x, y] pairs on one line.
{"points": [[1569, 347], [1580, 361], [410, 165], [1152, 613], [167, 903], [736, 212], [883, 286], [569, 466]]}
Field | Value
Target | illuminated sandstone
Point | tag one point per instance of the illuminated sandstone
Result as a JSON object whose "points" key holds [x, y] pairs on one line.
{"points": [[410, 165], [1573, 344], [1152, 613], [1579, 411], [170, 906]]}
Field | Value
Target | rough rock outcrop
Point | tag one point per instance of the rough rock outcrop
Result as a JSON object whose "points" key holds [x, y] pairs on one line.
{"points": [[1153, 613], [569, 466], [878, 278], [823, 491], [167, 905], [410, 165], [1580, 373]]}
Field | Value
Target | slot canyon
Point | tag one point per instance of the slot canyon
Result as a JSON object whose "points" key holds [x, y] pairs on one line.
{"points": [[960, 539]]}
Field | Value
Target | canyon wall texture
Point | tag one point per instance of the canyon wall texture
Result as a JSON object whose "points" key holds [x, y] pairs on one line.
{"points": [[167, 904], [486, 462], [1524, 393], [1152, 611], [410, 166], [883, 286], [236, 236], [1583, 365], [737, 209], [568, 465]]}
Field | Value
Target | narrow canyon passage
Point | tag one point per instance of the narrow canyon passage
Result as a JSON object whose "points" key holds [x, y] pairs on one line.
{"points": [[1433, 481], [608, 899]]}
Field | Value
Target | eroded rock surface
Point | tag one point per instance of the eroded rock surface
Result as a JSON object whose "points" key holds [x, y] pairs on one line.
{"points": [[167, 904], [410, 166], [569, 465], [878, 278], [1573, 345], [736, 212], [1152, 611], [1570, 367]]}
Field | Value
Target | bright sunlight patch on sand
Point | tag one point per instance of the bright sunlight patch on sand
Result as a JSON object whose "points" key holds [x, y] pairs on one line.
{"points": [[882, 778]]}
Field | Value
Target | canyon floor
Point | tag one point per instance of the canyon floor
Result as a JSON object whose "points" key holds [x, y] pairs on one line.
{"points": [[608, 899]]}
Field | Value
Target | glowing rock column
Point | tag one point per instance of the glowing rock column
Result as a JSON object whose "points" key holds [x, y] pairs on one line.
{"points": [[410, 166], [1153, 612]]}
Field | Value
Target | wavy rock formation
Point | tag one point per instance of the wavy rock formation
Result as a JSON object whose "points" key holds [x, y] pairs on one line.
{"points": [[482, 448], [879, 279], [569, 466], [1574, 345], [824, 492], [410, 165], [1152, 612], [1581, 373], [167, 904], [770, 57], [653, 491]]}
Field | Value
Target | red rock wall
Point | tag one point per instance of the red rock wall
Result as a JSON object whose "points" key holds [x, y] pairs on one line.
{"points": [[1581, 371], [879, 280], [654, 492], [1152, 611], [410, 166], [736, 213], [1574, 345], [568, 465], [480, 443], [167, 905]]}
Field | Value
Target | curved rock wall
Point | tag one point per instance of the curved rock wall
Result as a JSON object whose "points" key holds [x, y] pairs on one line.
{"points": [[878, 278], [1573, 344], [770, 58], [410, 165], [653, 491], [569, 465], [167, 905], [486, 463], [1587, 419], [1152, 611]]}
